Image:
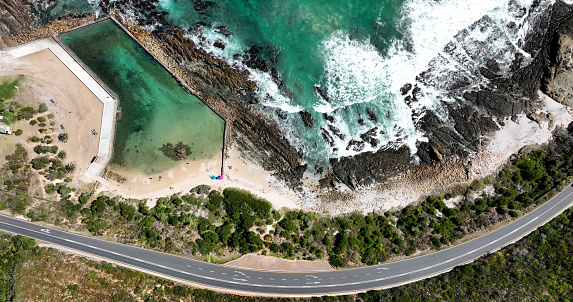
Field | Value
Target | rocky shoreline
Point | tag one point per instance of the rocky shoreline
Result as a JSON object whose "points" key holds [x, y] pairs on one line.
{"points": [[476, 114]]}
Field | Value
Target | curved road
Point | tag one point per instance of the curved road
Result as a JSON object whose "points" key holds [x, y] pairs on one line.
{"points": [[279, 283]]}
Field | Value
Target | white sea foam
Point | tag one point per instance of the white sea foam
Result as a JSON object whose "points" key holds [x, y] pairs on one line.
{"points": [[446, 40]]}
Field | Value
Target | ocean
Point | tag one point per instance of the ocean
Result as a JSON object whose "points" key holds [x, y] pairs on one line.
{"points": [[345, 61]]}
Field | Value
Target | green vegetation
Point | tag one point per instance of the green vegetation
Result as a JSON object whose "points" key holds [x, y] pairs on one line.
{"points": [[63, 137], [15, 177], [7, 89], [43, 108], [538, 267], [210, 223], [14, 252], [42, 149], [18, 132]]}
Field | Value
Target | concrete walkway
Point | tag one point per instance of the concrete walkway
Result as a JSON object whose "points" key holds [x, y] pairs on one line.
{"points": [[109, 102]]}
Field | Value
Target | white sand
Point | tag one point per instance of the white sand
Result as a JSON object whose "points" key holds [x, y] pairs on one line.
{"points": [[189, 174], [516, 135]]}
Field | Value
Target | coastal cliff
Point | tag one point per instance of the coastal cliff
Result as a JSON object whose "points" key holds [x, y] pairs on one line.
{"points": [[478, 112], [227, 88]]}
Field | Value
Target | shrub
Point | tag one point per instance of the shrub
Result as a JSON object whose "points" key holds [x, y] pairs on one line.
{"points": [[288, 225], [63, 137], [43, 108], [33, 122], [62, 154], [39, 163], [41, 119], [35, 139], [26, 113], [18, 132]]}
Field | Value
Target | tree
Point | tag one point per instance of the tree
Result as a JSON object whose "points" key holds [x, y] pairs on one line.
{"points": [[288, 225]]}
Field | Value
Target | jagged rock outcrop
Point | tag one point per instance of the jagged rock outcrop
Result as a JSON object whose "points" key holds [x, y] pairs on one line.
{"points": [[559, 82], [14, 17], [477, 111]]}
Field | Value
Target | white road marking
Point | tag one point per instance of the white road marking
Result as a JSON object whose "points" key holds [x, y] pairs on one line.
{"points": [[244, 280]]}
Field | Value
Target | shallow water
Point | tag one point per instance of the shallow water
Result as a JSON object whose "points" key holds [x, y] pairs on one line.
{"points": [[155, 109]]}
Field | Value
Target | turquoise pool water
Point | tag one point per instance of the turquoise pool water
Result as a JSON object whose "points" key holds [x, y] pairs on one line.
{"points": [[155, 109]]}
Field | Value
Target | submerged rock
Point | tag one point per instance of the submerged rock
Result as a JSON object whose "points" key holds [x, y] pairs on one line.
{"points": [[219, 44], [329, 118], [222, 30], [321, 93], [336, 131], [327, 137]]}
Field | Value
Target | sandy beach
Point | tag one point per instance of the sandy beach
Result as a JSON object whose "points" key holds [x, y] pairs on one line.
{"points": [[186, 175]]}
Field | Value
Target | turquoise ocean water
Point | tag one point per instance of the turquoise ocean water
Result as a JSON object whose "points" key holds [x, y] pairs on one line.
{"points": [[360, 53], [155, 109]]}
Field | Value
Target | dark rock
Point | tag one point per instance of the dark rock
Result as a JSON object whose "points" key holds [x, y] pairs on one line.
{"points": [[355, 145], [336, 131], [321, 93], [360, 120], [222, 30], [366, 168], [327, 182], [406, 88], [369, 136], [306, 118], [282, 115], [372, 115], [327, 137], [219, 44], [329, 118]]}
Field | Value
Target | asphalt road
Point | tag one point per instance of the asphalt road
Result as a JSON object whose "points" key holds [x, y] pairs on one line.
{"points": [[280, 283]]}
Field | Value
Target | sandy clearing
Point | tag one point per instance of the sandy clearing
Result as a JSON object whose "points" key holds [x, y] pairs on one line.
{"points": [[256, 261], [75, 106]]}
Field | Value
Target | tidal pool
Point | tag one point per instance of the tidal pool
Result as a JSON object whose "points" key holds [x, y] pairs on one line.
{"points": [[155, 108]]}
